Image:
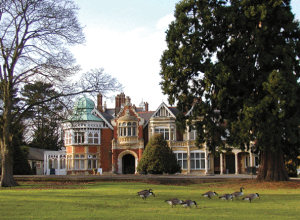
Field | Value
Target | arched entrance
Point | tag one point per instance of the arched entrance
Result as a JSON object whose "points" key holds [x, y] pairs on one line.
{"points": [[128, 164]]}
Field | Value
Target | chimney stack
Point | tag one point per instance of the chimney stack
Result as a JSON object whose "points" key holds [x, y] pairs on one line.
{"points": [[99, 102], [146, 104]]}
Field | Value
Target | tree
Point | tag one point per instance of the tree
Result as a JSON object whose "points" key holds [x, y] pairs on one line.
{"points": [[158, 158], [44, 119], [237, 63], [34, 36]]}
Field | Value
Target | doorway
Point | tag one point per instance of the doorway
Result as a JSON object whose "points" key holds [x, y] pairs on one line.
{"points": [[128, 164]]}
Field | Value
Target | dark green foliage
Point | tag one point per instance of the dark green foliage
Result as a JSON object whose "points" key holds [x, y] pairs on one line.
{"points": [[21, 165], [45, 117], [158, 158], [240, 61]]}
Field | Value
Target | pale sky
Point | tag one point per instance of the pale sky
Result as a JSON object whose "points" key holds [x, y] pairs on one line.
{"points": [[127, 39]]}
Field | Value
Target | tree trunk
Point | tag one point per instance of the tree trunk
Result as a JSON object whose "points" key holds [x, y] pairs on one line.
{"points": [[272, 167], [7, 178]]}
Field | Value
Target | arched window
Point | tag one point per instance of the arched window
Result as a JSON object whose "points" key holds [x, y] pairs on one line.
{"points": [[128, 129], [124, 128], [134, 129], [90, 138]]}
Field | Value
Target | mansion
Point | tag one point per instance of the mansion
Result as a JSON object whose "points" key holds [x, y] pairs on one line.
{"points": [[113, 140]]}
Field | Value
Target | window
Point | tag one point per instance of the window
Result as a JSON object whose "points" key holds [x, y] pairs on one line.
{"points": [[79, 137], [134, 129], [192, 134], [79, 162], [181, 159], [93, 138], [69, 160], [124, 128], [128, 129], [197, 161], [163, 131], [68, 137], [92, 162]]}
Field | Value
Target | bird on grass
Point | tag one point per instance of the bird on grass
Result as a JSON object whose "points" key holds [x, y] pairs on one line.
{"points": [[251, 197], [238, 194], [210, 194], [189, 203], [146, 193], [174, 201], [226, 197]]}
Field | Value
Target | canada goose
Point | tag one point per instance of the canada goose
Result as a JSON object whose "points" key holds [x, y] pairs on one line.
{"points": [[174, 201], [238, 194], [146, 193], [252, 196], [226, 197], [189, 203], [209, 194]]}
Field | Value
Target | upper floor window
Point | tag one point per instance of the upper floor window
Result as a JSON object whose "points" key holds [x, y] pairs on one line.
{"points": [[68, 137], [193, 135], [127, 129], [168, 133], [93, 138], [79, 137]]}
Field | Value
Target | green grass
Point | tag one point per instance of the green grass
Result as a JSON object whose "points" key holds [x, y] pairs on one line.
{"points": [[118, 200]]}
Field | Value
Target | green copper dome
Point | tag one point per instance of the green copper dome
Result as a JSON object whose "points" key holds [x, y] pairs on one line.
{"points": [[83, 110]]}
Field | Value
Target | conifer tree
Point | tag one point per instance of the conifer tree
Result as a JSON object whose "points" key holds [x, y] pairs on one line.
{"points": [[237, 63]]}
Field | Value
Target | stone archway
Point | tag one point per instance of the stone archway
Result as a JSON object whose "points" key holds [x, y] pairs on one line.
{"points": [[127, 162]]}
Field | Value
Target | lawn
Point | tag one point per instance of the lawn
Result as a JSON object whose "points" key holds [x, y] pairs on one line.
{"points": [[119, 200]]}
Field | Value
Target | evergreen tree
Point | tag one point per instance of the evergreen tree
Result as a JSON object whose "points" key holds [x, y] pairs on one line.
{"points": [[44, 119], [158, 158], [237, 63]]}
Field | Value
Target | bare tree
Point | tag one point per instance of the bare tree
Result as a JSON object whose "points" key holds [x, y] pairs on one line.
{"points": [[34, 36]]}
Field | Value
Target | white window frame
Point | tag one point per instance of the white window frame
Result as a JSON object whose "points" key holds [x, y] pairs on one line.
{"points": [[201, 160], [181, 160]]}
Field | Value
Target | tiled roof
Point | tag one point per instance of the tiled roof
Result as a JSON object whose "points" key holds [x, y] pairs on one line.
{"points": [[146, 115], [174, 110]]}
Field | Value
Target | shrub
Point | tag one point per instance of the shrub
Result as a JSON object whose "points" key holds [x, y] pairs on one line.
{"points": [[158, 158]]}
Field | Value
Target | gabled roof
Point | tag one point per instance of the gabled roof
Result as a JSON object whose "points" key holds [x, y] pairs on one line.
{"points": [[104, 117], [172, 110]]}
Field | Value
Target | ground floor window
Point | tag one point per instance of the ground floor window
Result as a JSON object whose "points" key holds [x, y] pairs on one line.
{"points": [[92, 162], [79, 161], [181, 159], [197, 161]]}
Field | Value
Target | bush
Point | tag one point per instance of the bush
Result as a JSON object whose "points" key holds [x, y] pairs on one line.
{"points": [[158, 158]]}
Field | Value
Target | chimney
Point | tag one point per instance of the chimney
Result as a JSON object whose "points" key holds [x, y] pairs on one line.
{"points": [[99, 102], [117, 104], [146, 104]]}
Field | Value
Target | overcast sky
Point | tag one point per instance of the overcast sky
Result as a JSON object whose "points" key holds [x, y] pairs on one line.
{"points": [[127, 38]]}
